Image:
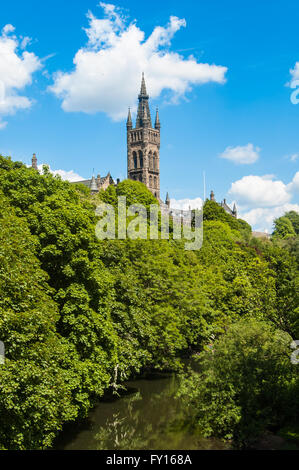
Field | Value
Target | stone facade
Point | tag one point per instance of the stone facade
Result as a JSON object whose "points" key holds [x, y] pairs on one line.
{"points": [[232, 212], [143, 145], [95, 184]]}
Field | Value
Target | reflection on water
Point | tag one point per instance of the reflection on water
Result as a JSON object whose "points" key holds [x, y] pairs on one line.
{"points": [[147, 417]]}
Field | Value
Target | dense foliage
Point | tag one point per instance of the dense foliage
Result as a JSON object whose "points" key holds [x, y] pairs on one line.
{"points": [[246, 385], [79, 315]]}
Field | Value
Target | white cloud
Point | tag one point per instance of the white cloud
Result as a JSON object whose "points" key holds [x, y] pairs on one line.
{"points": [[108, 69], [261, 199], [185, 204], [25, 42], [294, 73], [261, 219], [260, 191], [65, 175], [293, 186], [8, 28], [241, 154], [16, 70]]}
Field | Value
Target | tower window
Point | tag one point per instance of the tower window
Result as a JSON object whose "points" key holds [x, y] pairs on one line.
{"points": [[150, 160], [155, 163], [140, 159], [135, 159]]}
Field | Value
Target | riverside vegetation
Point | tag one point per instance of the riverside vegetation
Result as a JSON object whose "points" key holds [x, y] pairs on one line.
{"points": [[79, 316]]}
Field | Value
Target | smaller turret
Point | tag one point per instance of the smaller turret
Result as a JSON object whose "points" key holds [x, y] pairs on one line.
{"points": [[157, 121], [167, 200], [212, 196], [235, 213], [93, 185], [34, 161], [129, 120]]}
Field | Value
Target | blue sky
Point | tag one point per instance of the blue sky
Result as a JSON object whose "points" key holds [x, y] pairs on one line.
{"points": [[232, 118]]}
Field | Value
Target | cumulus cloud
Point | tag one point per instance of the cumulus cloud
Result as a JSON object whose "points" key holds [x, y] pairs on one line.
{"points": [[241, 154], [107, 70], [16, 70], [262, 218], [293, 186], [65, 175], [261, 199], [261, 191], [186, 204]]}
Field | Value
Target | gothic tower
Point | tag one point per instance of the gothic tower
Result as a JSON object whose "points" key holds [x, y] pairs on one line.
{"points": [[143, 145]]}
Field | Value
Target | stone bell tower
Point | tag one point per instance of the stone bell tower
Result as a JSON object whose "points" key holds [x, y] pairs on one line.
{"points": [[143, 145]]}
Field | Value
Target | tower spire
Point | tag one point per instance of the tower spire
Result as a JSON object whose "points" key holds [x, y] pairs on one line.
{"points": [[143, 145], [143, 107], [143, 92]]}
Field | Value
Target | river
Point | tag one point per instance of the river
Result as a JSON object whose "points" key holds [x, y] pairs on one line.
{"points": [[146, 416]]}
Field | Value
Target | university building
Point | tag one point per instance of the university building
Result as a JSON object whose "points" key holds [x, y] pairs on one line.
{"points": [[143, 156]]}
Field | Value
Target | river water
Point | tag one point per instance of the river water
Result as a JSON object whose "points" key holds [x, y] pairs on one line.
{"points": [[147, 416]]}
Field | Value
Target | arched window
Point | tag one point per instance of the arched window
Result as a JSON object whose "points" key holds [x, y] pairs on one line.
{"points": [[151, 181], [135, 159], [150, 160], [155, 182], [155, 161], [140, 159]]}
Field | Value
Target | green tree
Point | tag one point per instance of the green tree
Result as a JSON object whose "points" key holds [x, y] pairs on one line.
{"points": [[283, 228], [40, 381], [94, 313], [246, 384], [294, 218]]}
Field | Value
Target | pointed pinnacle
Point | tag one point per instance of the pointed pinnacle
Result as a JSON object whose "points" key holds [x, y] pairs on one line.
{"points": [[129, 120], [143, 92], [157, 122]]}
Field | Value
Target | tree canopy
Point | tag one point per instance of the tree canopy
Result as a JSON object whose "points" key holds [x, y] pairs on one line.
{"points": [[80, 315]]}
